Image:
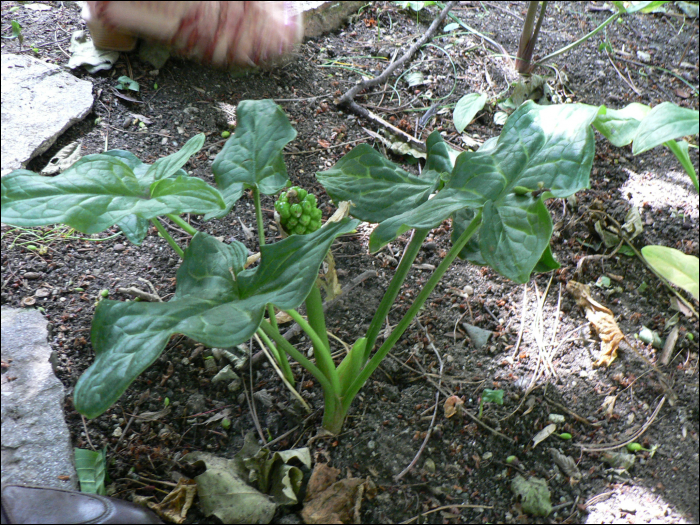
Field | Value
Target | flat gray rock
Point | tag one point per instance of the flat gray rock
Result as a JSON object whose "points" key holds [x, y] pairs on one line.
{"points": [[36, 444], [39, 102]]}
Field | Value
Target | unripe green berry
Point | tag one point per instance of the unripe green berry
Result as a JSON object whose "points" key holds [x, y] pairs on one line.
{"points": [[291, 223], [313, 226], [306, 206], [299, 229], [225, 134], [316, 214], [304, 219], [301, 194], [296, 210]]}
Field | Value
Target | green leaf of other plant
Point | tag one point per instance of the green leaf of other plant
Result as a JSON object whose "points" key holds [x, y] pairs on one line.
{"points": [[663, 123], [681, 269], [253, 156], [620, 126], [90, 466], [467, 108]]}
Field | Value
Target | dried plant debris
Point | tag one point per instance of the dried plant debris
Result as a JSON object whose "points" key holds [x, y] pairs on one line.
{"points": [[602, 320], [249, 487], [566, 464], [331, 501], [175, 505], [533, 494]]}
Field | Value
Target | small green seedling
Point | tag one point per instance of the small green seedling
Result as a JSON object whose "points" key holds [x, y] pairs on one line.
{"points": [[166, 401], [490, 396], [565, 436], [125, 82], [636, 447], [226, 423]]}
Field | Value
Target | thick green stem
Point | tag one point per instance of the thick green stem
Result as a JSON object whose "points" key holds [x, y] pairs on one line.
{"points": [[181, 223], [324, 361], [407, 319], [159, 226], [333, 412], [314, 312], [258, 216], [286, 346], [280, 356], [409, 255]]}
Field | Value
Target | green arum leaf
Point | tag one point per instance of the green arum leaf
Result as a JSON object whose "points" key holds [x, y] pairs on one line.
{"points": [[681, 269], [620, 126], [547, 146], [663, 123], [102, 190], [377, 188], [253, 156], [210, 306], [439, 160], [167, 166], [472, 253]]}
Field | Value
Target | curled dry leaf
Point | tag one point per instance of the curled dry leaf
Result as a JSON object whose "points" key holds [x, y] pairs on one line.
{"points": [[175, 505], [603, 321], [330, 501], [453, 405]]}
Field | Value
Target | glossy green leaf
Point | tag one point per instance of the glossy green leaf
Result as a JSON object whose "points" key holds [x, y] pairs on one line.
{"points": [[547, 146], [681, 269], [514, 235], [210, 306], [438, 154], [663, 123], [134, 228], [467, 108], [620, 126], [168, 166], [377, 188], [101, 190], [680, 150], [253, 155]]}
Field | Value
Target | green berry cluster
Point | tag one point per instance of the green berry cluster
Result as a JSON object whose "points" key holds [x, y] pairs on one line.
{"points": [[298, 212]]}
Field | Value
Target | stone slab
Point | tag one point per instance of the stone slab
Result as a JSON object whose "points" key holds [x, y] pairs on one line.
{"points": [[39, 102], [36, 444]]}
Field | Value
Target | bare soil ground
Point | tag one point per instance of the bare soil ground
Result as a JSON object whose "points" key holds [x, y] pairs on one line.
{"points": [[463, 470]]}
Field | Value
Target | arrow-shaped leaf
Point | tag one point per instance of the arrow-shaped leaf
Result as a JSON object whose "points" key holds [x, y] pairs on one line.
{"points": [[377, 188], [99, 191], [253, 155], [210, 305], [548, 147]]}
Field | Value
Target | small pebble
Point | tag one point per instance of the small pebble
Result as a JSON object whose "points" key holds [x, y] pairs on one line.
{"points": [[119, 247]]}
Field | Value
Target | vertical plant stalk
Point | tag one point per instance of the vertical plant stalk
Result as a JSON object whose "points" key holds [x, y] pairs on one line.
{"points": [[280, 355], [407, 319], [314, 312], [182, 223], [409, 255], [333, 415], [321, 352], [528, 38], [159, 226], [258, 216]]}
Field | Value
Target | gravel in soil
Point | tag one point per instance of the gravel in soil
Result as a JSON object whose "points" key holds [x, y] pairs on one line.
{"points": [[463, 470]]}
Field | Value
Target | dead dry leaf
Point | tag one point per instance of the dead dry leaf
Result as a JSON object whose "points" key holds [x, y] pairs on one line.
{"points": [[175, 505], [602, 320], [453, 405], [331, 501]]}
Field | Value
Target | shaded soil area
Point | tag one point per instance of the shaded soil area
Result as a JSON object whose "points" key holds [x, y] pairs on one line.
{"points": [[542, 349]]}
